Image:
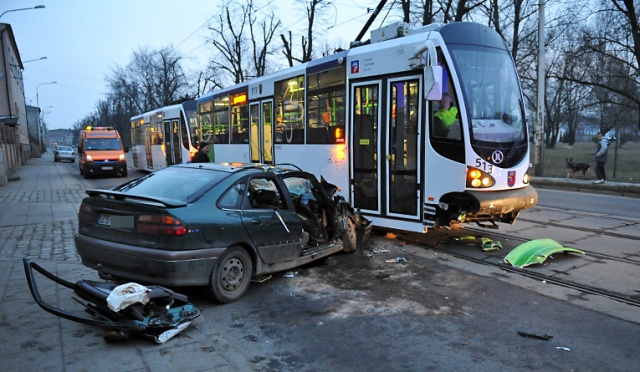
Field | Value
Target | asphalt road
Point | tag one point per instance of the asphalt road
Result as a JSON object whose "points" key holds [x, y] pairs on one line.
{"points": [[356, 312], [590, 202]]}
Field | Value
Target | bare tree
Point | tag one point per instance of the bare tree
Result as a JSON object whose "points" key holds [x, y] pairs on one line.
{"points": [[243, 42], [260, 50], [316, 11]]}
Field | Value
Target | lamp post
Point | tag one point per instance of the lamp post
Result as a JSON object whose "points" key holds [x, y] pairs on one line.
{"points": [[37, 59], [15, 10], [38, 103], [38, 87]]}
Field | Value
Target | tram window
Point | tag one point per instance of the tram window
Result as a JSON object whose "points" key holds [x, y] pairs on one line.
{"points": [[204, 117], [239, 119], [326, 107], [221, 119], [445, 121], [289, 111]]}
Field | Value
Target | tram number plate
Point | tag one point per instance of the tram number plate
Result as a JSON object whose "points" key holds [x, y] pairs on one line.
{"points": [[484, 165], [107, 168]]}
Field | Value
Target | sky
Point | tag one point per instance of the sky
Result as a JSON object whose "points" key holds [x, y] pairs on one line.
{"points": [[84, 40]]}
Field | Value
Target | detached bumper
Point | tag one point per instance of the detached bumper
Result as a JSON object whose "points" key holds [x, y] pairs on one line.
{"points": [[502, 203]]}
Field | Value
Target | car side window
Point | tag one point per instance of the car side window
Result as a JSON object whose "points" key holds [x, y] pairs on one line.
{"points": [[264, 193], [232, 198]]}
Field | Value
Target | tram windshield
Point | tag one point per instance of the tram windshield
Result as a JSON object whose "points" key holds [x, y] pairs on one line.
{"points": [[493, 100]]}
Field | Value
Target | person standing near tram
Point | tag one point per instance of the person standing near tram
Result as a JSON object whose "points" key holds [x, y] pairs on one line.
{"points": [[601, 157], [202, 156]]}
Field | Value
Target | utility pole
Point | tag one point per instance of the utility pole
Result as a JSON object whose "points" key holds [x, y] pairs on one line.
{"points": [[539, 140]]}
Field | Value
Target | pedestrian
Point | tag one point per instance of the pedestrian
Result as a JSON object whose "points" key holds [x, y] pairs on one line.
{"points": [[202, 156], [601, 157]]}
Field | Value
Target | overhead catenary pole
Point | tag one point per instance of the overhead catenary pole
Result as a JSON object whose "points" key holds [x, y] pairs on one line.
{"points": [[539, 140]]}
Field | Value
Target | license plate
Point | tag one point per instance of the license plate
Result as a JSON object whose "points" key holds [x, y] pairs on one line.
{"points": [[107, 168], [104, 219], [116, 222]]}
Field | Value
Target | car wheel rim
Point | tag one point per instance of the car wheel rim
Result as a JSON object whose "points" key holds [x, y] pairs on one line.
{"points": [[232, 274]]}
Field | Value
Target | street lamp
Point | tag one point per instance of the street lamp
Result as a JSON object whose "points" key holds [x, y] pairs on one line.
{"points": [[15, 10], [31, 60], [37, 97]]}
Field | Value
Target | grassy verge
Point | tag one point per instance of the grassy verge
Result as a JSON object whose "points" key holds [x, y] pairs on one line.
{"points": [[623, 167]]}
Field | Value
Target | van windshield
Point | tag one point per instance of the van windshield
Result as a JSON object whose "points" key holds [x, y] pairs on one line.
{"points": [[102, 144]]}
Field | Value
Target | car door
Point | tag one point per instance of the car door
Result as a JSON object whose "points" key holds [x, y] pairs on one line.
{"points": [[275, 229]]}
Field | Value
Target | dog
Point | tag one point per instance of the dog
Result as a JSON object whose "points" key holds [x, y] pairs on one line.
{"points": [[572, 168]]}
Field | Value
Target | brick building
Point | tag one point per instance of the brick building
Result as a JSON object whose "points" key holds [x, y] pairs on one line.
{"points": [[14, 132]]}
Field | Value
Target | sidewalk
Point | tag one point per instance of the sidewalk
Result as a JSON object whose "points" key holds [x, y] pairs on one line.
{"points": [[39, 194]]}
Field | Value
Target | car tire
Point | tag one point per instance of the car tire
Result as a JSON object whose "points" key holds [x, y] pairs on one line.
{"points": [[230, 276], [349, 235], [125, 173]]}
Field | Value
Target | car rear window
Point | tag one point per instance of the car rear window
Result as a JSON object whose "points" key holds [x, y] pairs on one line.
{"points": [[173, 183], [64, 148]]}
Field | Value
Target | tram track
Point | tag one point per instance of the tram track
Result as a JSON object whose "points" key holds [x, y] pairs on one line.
{"points": [[489, 260], [597, 231], [635, 262]]}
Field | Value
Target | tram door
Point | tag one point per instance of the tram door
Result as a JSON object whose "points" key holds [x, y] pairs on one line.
{"points": [[261, 132], [172, 136], [365, 146], [402, 147], [385, 150]]}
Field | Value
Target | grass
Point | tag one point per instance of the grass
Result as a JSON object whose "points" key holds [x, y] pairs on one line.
{"points": [[626, 165]]}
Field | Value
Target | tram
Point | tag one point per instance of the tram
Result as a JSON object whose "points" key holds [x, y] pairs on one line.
{"points": [[164, 136], [418, 127]]}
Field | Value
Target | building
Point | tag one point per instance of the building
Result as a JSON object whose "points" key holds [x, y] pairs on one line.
{"points": [[14, 132]]}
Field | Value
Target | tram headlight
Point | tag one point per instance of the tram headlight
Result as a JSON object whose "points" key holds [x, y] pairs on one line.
{"points": [[478, 179], [526, 178]]}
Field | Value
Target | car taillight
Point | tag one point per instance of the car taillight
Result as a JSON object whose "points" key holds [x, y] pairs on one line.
{"points": [[160, 225], [84, 215]]}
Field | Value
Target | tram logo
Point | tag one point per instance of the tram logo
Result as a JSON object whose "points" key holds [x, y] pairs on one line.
{"points": [[355, 66], [511, 178], [497, 157]]}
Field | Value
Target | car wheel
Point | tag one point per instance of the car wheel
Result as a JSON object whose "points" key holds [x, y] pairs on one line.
{"points": [[124, 173], [231, 275], [349, 236]]}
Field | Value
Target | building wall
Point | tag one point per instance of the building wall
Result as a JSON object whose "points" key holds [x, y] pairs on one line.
{"points": [[14, 137], [36, 135]]}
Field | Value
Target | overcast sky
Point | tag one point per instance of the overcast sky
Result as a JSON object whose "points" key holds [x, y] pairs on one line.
{"points": [[84, 40]]}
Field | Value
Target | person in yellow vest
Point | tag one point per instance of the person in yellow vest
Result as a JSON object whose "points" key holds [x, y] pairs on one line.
{"points": [[445, 116]]}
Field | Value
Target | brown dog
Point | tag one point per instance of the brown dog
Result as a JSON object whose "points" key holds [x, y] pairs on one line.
{"points": [[572, 168]]}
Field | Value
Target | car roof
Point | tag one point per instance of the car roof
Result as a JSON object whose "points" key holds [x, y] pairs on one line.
{"points": [[244, 167]]}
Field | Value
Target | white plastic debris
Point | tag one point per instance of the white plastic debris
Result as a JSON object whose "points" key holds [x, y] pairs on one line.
{"points": [[398, 259], [127, 294]]}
